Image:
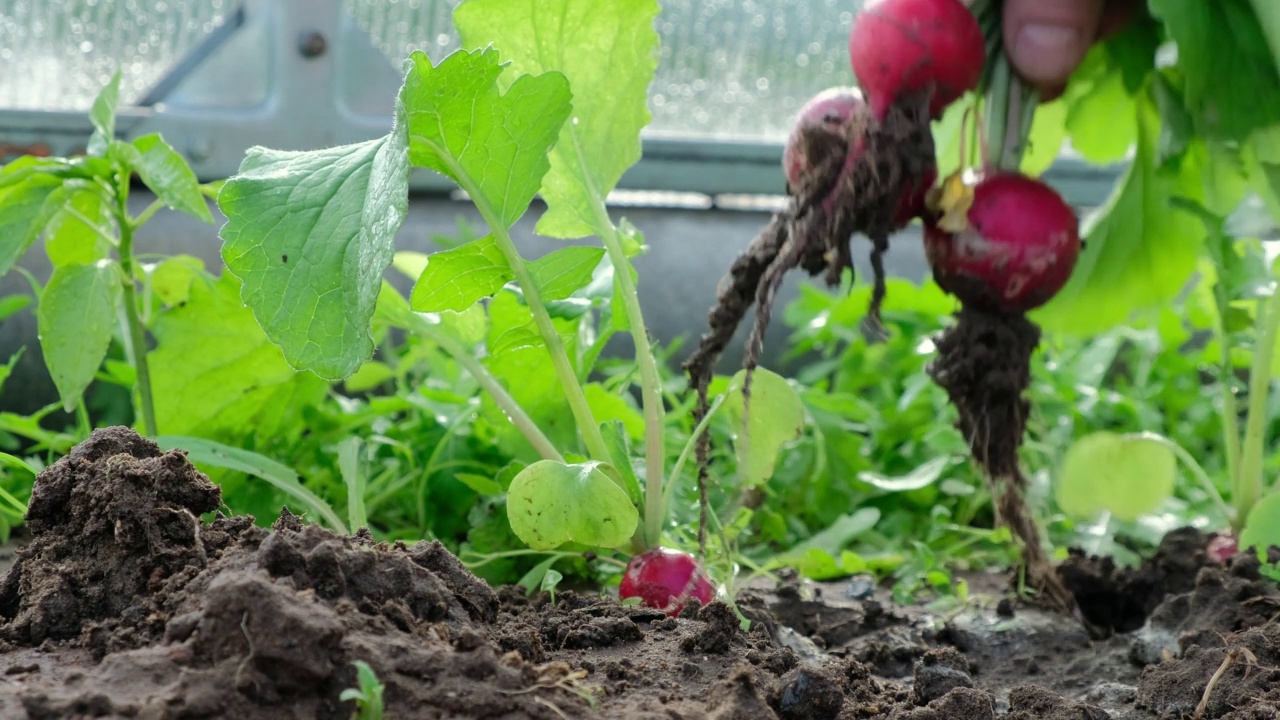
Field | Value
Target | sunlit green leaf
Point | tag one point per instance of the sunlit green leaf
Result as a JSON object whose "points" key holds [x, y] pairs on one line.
{"points": [[169, 176], [777, 418], [75, 233], [310, 235], [1139, 250], [103, 116], [609, 52], [1125, 475], [214, 372], [493, 145], [77, 318], [550, 503], [23, 214], [566, 271], [457, 279]]}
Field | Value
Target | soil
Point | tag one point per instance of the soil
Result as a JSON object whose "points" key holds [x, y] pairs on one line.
{"points": [[125, 604]]}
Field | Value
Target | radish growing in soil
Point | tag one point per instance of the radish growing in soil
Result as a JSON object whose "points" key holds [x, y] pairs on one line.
{"points": [[852, 165], [1015, 249], [665, 579]]}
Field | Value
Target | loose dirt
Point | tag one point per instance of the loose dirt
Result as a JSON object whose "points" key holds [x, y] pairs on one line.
{"points": [[125, 604]]}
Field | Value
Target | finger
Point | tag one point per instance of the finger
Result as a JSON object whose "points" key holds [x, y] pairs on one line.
{"points": [[1047, 39]]}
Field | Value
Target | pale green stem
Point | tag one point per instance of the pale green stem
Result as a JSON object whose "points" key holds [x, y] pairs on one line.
{"points": [[650, 380], [1230, 408], [137, 338], [1197, 471], [147, 212], [1249, 487], [491, 385], [587, 425]]}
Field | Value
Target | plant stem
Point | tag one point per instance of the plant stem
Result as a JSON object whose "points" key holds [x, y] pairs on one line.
{"points": [[650, 380], [1196, 469], [477, 370], [689, 448], [1230, 409], [587, 425], [137, 338], [1249, 487]]}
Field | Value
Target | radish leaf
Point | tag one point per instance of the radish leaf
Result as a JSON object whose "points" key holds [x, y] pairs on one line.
{"points": [[457, 279], [777, 418], [1126, 475], [610, 90], [310, 235], [493, 145], [1138, 251], [550, 503]]}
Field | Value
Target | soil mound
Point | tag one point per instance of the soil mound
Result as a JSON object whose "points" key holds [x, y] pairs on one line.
{"points": [[125, 604]]}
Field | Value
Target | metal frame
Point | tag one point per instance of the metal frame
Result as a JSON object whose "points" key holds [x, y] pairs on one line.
{"points": [[317, 44]]}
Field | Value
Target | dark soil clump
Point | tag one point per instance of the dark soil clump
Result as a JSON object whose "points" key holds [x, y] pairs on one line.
{"points": [[222, 618], [1115, 599]]}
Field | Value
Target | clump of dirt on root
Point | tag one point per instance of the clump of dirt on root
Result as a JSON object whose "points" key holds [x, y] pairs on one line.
{"points": [[983, 363]]}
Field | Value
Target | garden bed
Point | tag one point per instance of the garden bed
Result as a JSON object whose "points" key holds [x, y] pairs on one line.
{"points": [[123, 604]]}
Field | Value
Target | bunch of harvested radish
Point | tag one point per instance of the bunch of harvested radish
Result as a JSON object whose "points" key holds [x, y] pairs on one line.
{"points": [[863, 162]]}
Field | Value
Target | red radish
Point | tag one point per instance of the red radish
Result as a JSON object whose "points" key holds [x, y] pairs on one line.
{"points": [[1018, 251], [826, 124], [1222, 548], [665, 579], [829, 112], [898, 47]]}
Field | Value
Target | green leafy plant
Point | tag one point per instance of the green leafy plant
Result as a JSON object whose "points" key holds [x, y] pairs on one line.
{"points": [[503, 130], [368, 696], [81, 208]]}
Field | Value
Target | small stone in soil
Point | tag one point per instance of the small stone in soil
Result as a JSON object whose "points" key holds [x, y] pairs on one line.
{"points": [[940, 671], [809, 693]]}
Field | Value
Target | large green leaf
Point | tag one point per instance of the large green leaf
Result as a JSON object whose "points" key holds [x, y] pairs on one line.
{"points": [[609, 52], [1126, 475], [215, 373], [76, 230], [76, 319], [24, 211], [494, 145], [310, 235], [1231, 82], [566, 271], [1140, 250], [550, 503]]}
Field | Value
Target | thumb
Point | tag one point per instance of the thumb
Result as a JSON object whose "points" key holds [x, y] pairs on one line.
{"points": [[1047, 39]]}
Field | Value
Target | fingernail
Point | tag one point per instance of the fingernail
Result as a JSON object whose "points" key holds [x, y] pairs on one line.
{"points": [[1047, 53]]}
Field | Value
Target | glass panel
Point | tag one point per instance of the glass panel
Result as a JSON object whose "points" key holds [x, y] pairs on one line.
{"points": [[730, 69], [58, 53]]}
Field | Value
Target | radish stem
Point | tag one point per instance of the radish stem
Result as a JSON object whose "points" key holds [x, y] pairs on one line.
{"points": [[587, 425], [650, 380], [1249, 484]]}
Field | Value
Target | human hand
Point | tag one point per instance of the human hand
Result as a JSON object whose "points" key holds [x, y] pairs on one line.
{"points": [[1046, 40]]}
